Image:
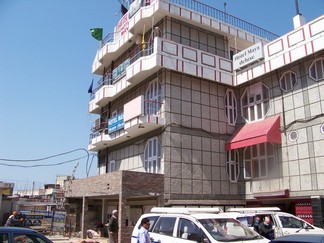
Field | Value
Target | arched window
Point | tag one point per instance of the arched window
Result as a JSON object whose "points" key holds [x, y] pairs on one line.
{"points": [[153, 98], [230, 107], [232, 165], [255, 102], [316, 69], [152, 156], [258, 160], [288, 81]]}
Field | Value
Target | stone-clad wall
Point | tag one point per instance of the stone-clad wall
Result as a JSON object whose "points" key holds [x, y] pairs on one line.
{"points": [[194, 142], [128, 182], [298, 163]]}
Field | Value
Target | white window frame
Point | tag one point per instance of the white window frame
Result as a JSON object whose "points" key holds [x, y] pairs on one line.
{"points": [[260, 159], [233, 165], [257, 102], [152, 156], [230, 103], [153, 98], [316, 69], [288, 81], [111, 166]]}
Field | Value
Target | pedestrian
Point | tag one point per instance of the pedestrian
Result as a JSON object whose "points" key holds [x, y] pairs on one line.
{"points": [[143, 234], [14, 220], [266, 228], [113, 227]]}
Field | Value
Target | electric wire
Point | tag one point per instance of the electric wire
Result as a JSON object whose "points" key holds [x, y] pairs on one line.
{"points": [[43, 165]]}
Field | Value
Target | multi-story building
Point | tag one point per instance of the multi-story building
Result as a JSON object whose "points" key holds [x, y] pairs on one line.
{"points": [[197, 107]]}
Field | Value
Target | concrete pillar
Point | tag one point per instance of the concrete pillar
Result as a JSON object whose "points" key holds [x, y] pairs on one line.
{"points": [[122, 233], [104, 211], [84, 217], [318, 211]]}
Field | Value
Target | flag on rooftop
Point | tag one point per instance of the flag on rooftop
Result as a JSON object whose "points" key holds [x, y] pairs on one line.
{"points": [[96, 33]]}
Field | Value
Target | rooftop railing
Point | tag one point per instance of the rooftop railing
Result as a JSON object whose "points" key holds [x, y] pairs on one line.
{"points": [[224, 17]]}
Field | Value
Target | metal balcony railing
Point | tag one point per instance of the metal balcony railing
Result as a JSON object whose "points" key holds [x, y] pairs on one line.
{"points": [[142, 50], [151, 107], [105, 80], [224, 17]]}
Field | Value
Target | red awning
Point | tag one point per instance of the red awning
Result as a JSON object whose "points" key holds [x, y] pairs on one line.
{"points": [[264, 131]]}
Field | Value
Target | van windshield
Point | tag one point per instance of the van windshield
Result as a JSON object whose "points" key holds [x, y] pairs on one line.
{"points": [[228, 230]]}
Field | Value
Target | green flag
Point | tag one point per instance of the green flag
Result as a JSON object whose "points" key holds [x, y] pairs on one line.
{"points": [[96, 33]]}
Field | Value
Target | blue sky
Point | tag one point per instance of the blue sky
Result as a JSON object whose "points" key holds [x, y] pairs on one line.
{"points": [[46, 53]]}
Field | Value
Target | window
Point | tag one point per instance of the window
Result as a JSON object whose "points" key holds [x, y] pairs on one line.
{"points": [[258, 160], [232, 165], [27, 238], [188, 230], [4, 238], [165, 226], [152, 220], [293, 136], [111, 166], [152, 156], [153, 98], [102, 164], [316, 69], [291, 222], [255, 102], [230, 107], [288, 81]]}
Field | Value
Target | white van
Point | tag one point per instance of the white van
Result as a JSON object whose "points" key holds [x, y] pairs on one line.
{"points": [[188, 225], [285, 223]]}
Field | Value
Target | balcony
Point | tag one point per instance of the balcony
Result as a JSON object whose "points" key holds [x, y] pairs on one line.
{"points": [[181, 58], [149, 58], [131, 27], [291, 47], [108, 87], [140, 116]]}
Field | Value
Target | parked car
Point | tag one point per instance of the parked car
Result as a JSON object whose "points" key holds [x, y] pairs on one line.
{"points": [[301, 238], [21, 235], [181, 225], [285, 223]]}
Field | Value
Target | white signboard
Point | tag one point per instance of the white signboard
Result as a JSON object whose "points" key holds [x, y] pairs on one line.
{"points": [[248, 56]]}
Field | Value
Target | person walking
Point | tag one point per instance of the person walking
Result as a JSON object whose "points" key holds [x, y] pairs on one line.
{"points": [[13, 220], [143, 234], [113, 227]]}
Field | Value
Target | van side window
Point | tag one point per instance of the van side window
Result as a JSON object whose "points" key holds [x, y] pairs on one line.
{"points": [[291, 222], [153, 220], [165, 226], [188, 230]]}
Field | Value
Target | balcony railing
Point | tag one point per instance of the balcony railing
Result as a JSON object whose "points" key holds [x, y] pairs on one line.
{"points": [[142, 50], [151, 107], [224, 17]]}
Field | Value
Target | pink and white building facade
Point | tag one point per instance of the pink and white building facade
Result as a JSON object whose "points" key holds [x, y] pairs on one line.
{"points": [[199, 108]]}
